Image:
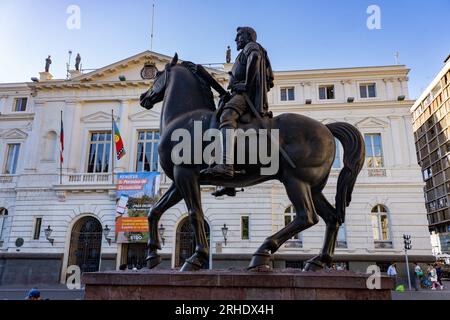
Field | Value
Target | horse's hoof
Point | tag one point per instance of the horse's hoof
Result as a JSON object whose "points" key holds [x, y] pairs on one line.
{"points": [[187, 266], [318, 263], [260, 261], [153, 261], [313, 266]]}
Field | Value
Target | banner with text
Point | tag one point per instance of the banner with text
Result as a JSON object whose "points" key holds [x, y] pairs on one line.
{"points": [[136, 193]]}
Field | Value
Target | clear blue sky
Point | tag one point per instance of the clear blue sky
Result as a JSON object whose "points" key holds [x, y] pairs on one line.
{"points": [[298, 34]]}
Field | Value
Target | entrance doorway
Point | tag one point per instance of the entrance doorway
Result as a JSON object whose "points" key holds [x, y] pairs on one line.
{"points": [[185, 242], [85, 244]]}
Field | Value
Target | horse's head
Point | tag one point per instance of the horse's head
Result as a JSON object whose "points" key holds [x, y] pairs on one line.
{"points": [[156, 93]]}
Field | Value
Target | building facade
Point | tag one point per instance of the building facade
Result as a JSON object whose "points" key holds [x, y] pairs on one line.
{"points": [[51, 221], [432, 138]]}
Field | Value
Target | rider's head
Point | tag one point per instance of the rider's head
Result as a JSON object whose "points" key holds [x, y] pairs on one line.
{"points": [[244, 36]]}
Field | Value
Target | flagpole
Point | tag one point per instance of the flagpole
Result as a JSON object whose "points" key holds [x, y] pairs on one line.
{"points": [[61, 154], [113, 145]]}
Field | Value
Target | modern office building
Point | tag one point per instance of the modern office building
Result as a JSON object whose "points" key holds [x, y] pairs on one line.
{"points": [[48, 224], [432, 137]]}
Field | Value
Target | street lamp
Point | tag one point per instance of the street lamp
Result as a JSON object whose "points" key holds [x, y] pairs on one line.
{"points": [[48, 233], [106, 231], [224, 232], [161, 233]]}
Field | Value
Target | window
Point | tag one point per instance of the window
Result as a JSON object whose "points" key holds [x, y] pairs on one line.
{"points": [[12, 156], [3, 217], [287, 94], [245, 230], [147, 151], [99, 152], [337, 157], [380, 223], [374, 151], [289, 215], [20, 104], [367, 90], [37, 228], [326, 92]]}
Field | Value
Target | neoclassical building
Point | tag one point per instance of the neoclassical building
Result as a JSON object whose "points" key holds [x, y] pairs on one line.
{"points": [[49, 222]]}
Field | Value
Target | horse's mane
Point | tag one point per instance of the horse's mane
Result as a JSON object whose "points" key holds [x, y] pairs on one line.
{"points": [[204, 86]]}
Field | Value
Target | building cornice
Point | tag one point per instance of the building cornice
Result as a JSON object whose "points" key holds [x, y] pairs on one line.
{"points": [[16, 116], [338, 106]]}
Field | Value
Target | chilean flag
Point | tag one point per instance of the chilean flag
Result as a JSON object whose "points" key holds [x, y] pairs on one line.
{"points": [[120, 150]]}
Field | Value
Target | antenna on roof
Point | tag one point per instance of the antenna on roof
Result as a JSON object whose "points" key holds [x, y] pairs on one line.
{"points": [[397, 58], [153, 20]]}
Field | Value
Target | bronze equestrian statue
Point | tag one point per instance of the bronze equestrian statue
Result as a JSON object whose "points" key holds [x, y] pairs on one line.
{"points": [[309, 148]]}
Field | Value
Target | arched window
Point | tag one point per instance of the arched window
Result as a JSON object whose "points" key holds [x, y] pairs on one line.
{"points": [[3, 217], [50, 145], [380, 224], [289, 215]]}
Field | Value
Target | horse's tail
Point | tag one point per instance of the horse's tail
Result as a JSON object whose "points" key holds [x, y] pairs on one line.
{"points": [[354, 155]]}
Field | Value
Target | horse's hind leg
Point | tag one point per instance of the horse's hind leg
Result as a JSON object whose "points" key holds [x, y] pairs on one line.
{"points": [[187, 183], [168, 200], [299, 194], [328, 214]]}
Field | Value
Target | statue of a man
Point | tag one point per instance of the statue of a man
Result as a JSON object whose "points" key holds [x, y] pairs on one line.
{"points": [[251, 75], [48, 62], [228, 54], [77, 62]]}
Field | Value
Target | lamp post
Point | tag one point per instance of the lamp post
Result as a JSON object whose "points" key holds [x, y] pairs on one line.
{"points": [[161, 231], [48, 233], [224, 232], [106, 231]]}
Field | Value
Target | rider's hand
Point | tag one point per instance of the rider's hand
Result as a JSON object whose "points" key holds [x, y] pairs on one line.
{"points": [[224, 99], [239, 87]]}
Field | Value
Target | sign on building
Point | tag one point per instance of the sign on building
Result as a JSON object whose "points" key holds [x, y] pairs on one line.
{"points": [[136, 193]]}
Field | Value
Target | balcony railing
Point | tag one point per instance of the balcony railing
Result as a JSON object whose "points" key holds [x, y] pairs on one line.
{"points": [[6, 179], [87, 179]]}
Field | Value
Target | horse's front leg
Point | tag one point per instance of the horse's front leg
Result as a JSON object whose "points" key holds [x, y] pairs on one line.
{"points": [[187, 181], [168, 200]]}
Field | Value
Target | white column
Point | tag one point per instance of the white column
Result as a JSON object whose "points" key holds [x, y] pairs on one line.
{"points": [[33, 141], [3, 100], [389, 89], [72, 136], [404, 86], [122, 165], [398, 140]]}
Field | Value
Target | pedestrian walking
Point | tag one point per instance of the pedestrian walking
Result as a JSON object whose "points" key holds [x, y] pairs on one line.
{"points": [[418, 276], [434, 278]]}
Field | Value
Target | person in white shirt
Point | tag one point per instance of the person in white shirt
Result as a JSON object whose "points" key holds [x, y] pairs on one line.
{"points": [[392, 272]]}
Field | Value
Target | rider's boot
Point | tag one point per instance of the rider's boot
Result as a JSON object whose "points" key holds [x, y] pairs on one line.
{"points": [[231, 192], [225, 169]]}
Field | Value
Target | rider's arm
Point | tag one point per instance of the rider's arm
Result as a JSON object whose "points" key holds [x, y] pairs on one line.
{"points": [[253, 62]]}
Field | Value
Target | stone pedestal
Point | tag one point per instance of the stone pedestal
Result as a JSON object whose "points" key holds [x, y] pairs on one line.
{"points": [[74, 73], [45, 76], [288, 284]]}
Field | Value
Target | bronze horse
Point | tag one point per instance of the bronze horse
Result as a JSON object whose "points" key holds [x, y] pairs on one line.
{"points": [[309, 143]]}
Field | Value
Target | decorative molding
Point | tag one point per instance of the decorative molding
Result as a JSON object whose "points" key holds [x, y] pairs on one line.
{"points": [[100, 116], [61, 195], [146, 115], [371, 122], [14, 134]]}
